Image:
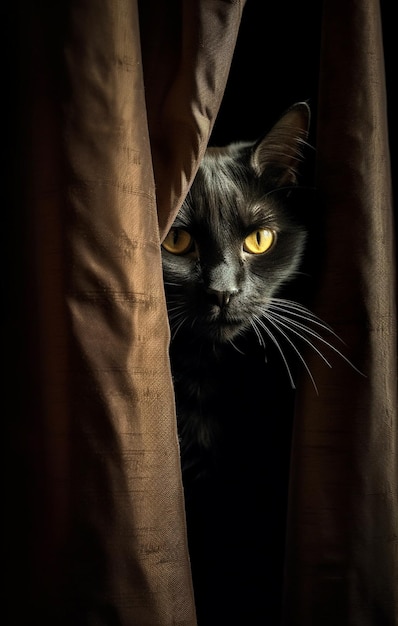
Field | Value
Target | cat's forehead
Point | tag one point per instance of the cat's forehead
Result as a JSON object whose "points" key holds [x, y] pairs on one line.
{"points": [[218, 179], [225, 217], [216, 198], [226, 191], [224, 175], [219, 163]]}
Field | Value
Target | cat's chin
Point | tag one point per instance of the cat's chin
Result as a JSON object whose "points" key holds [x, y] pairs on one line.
{"points": [[221, 326], [225, 332]]}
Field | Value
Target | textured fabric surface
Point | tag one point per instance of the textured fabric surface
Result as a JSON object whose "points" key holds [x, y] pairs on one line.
{"points": [[342, 565], [107, 542], [114, 107], [195, 42]]}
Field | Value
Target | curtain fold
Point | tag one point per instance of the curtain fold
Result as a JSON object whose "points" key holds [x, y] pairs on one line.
{"points": [[101, 530], [195, 42], [342, 562]]}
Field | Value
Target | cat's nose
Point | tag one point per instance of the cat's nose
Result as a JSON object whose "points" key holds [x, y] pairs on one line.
{"points": [[221, 298]]}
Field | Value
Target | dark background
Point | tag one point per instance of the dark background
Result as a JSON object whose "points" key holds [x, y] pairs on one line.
{"points": [[276, 63]]}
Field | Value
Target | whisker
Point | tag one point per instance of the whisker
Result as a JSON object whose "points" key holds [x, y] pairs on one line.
{"points": [[304, 327], [177, 317], [276, 325], [175, 306], [292, 325], [235, 347], [177, 328], [293, 308], [176, 322], [312, 320], [259, 335], [294, 305], [176, 309], [276, 342]]}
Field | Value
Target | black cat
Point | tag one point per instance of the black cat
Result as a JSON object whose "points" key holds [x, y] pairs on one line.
{"points": [[229, 264], [237, 240]]}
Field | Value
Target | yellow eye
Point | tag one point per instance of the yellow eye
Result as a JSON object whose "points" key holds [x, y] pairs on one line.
{"points": [[178, 241], [259, 241]]}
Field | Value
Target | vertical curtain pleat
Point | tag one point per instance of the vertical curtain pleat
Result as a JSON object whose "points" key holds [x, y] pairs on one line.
{"points": [[109, 541], [342, 562], [187, 51], [103, 536]]}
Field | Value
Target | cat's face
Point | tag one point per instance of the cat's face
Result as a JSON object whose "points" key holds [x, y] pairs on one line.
{"points": [[236, 239]]}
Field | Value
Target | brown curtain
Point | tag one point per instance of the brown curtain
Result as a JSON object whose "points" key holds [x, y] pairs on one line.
{"points": [[114, 106], [97, 518], [342, 563]]}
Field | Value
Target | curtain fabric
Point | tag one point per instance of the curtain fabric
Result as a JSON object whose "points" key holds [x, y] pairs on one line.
{"points": [[100, 531], [342, 559], [115, 105]]}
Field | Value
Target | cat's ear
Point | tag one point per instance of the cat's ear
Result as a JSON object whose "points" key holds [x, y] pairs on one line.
{"points": [[281, 150]]}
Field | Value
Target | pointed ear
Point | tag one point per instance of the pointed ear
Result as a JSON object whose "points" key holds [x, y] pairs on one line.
{"points": [[280, 152]]}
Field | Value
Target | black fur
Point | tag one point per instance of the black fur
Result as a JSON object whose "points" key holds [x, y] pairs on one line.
{"points": [[234, 396]]}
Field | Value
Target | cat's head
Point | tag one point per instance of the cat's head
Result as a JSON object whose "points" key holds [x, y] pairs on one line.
{"points": [[237, 238]]}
